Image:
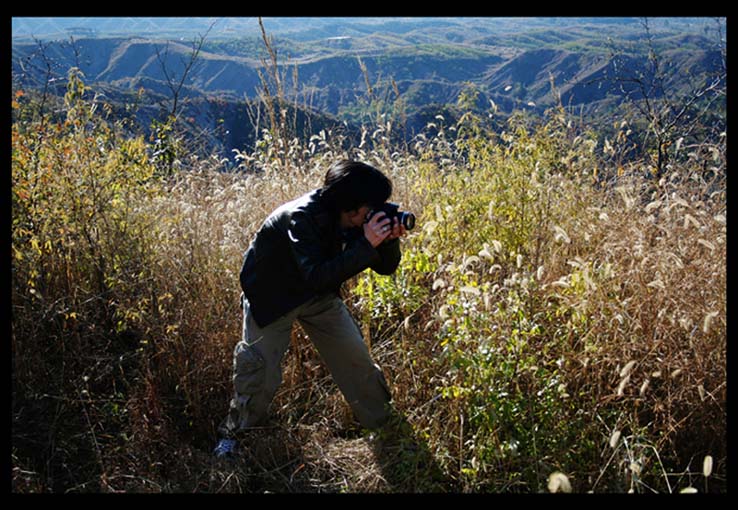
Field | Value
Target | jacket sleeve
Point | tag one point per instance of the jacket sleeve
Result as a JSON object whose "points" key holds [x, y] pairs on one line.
{"points": [[321, 273], [389, 257]]}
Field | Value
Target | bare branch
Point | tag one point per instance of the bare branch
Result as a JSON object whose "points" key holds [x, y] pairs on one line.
{"points": [[174, 86]]}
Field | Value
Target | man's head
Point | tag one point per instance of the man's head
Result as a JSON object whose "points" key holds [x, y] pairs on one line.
{"points": [[351, 185]]}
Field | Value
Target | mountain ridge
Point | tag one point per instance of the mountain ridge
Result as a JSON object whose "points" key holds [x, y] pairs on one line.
{"points": [[328, 66], [121, 60]]}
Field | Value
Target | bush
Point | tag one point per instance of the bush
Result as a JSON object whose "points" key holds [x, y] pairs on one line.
{"points": [[81, 267], [577, 322]]}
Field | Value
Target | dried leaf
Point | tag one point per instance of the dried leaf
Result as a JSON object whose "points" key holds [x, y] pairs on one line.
{"points": [[627, 368]]}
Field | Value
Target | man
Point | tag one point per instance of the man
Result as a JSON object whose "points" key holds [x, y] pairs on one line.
{"points": [[291, 272]]}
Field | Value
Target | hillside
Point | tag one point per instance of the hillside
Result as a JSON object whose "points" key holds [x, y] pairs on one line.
{"points": [[124, 62], [327, 64]]}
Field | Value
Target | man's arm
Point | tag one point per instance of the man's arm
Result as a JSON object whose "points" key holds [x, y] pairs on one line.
{"points": [[389, 250], [326, 274], [389, 253]]}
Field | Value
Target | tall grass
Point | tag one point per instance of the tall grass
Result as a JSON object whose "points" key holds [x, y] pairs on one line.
{"points": [[542, 321]]}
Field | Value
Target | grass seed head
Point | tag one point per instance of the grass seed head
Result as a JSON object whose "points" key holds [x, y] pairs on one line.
{"points": [[614, 438], [558, 482], [707, 466]]}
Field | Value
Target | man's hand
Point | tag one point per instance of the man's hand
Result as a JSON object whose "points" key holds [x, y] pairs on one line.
{"points": [[377, 229], [398, 230], [380, 228]]}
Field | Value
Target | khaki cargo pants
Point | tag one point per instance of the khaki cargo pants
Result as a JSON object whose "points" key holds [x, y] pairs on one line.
{"points": [[257, 359]]}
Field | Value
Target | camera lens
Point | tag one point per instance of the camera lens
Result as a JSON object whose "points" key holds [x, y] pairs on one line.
{"points": [[408, 220]]}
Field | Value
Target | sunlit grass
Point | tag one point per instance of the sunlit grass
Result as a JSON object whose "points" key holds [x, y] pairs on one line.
{"points": [[546, 330]]}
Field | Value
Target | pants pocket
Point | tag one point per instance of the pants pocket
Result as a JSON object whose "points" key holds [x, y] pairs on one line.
{"points": [[248, 369]]}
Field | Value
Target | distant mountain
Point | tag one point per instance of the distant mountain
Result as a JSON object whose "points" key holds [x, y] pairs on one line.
{"points": [[512, 61], [581, 78], [525, 77], [311, 28]]}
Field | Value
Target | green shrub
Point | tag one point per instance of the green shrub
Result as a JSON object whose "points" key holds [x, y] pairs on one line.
{"points": [[541, 286]]}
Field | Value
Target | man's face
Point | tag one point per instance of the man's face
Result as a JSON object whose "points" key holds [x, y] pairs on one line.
{"points": [[354, 218]]}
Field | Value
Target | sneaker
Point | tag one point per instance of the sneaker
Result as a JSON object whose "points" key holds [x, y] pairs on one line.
{"points": [[226, 449]]}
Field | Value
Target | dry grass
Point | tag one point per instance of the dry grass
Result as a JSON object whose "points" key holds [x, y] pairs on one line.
{"points": [[577, 329]]}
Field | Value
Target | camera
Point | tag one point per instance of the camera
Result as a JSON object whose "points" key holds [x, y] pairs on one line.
{"points": [[407, 219]]}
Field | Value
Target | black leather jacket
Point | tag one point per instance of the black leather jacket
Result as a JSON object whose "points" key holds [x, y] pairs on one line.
{"points": [[300, 253]]}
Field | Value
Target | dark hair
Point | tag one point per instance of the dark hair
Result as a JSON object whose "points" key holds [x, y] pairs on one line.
{"points": [[349, 185]]}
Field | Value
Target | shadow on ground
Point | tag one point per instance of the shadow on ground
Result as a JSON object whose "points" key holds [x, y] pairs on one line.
{"points": [[320, 459], [406, 462]]}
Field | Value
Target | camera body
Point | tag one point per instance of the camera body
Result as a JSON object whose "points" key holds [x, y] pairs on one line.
{"points": [[407, 219]]}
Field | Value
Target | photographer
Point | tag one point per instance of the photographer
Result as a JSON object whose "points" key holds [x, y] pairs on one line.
{"points": [[292, 271]]}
